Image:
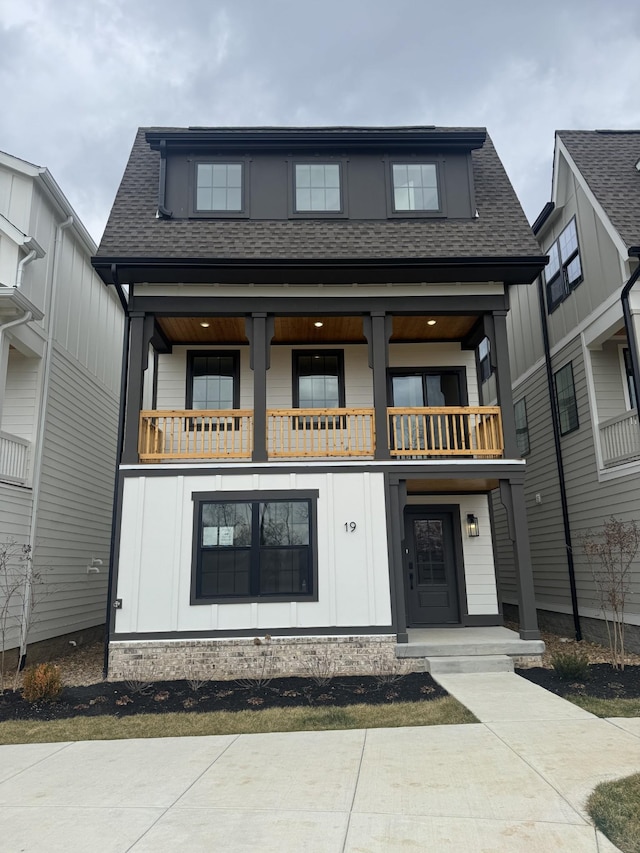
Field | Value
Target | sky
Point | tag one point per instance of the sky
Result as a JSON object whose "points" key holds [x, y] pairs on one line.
{"points": [[78, 78]]}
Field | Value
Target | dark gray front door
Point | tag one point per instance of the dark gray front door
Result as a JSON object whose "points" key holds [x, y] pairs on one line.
{"points": [[432, 591]]}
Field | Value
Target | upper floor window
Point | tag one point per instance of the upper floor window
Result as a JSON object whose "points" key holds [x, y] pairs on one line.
{"points": [[566, 403], [484, 359], [415, 187], [219, 187], [213, 380], [317, 188], [522, 427], [318, 379], [563, 273]]}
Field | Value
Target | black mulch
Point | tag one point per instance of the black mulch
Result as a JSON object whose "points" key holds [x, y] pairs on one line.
{"points": [[123, 699], [604, 682]]}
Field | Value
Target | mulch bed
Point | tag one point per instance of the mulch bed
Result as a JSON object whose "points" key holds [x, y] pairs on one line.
{"points": [[604, 682], [124, 699]]}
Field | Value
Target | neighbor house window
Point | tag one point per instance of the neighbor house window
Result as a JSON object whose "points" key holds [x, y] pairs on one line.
{"points": [[213, 380], [563, 273], [522, 427], [415, 187], [219, 187], [628, 369], [484, 359], [567, 406], [317, 188], [254, 548], [318, 379]]}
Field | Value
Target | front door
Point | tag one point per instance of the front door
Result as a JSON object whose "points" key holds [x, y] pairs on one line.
{"points": [[432, 589]]}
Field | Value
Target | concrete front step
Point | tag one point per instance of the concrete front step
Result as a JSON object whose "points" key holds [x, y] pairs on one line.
{"points": [[469, 663]]}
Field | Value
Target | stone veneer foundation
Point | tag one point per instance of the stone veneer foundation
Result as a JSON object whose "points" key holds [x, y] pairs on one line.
{"points": [[165, 660]]}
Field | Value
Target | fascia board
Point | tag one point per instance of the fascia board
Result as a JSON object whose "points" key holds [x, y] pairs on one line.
{"points": [[62, 202], [14, 298], [12, 232]]}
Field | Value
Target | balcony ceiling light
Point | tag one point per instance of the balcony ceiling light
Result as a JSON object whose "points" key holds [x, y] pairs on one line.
{"points": [[205, 324], [431, 322], [318, 324]]}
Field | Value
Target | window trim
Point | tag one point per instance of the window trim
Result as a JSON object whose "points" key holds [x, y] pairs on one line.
{"points": [[200, 498], [569, 365], [341, 162], [392, 213], [485, 367], [567, 289], [208, 353], [295, 388], [194, 213], [461, 372], [523, 401]]}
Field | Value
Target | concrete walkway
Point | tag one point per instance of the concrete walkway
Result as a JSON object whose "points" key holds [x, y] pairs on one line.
{"points": [[517, 781]]}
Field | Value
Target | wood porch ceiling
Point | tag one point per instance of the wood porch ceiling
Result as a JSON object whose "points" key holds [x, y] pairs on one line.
{"points": [[455, 486], [301, 330]]}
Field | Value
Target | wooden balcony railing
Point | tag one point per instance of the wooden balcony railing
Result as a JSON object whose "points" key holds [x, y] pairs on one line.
{"points": [[321, 433], [620, 439], [195, 434], [302, 433], [446, 431], [14, 458]]}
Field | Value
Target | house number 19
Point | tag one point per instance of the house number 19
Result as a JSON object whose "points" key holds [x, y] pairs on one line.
{"points": [[350, 526]]}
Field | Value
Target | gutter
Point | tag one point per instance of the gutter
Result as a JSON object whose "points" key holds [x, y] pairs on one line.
{"points": [[555, 420], [116, 482], [629, 327]]}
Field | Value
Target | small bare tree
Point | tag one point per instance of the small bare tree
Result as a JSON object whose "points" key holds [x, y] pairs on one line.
{"points": [[18, 582], [611, 553]]}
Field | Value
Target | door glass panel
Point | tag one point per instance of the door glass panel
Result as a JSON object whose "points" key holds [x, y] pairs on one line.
{"points": [[443, 389], [429, 541], [407, 391]]}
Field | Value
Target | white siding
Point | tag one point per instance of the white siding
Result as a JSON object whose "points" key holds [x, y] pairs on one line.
{"points": [[15, 518], [20, 403], [154, 573]]}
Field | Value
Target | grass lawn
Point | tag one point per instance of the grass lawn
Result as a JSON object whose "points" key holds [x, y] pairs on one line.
{"points": [[606, 707], [614, 808], [438, 712]]}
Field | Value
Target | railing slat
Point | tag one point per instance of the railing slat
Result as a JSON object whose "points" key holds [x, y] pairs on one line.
{"points": [[620, 439]]}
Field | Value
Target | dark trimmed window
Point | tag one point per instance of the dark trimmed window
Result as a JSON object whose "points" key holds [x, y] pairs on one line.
{"points": [[254, 549], [522, 427], [213, 379], [484, 359], [318, 379], [628, 369], [219, 188], [317, 188], [415, 187], [566, 403], [563, 273]]}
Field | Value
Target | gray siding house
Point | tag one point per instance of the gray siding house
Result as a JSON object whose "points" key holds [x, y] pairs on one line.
{"points": [[583, 379], [60, 363], [305, 454]]}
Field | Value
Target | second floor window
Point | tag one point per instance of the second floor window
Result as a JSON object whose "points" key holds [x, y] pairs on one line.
{"points": [[318, 379], [415, 187], [317, 188], [219, 187], [213, 380], [566, 399], [563, 273]]}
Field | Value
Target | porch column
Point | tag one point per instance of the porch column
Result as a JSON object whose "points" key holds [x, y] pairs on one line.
{"points": [[496, 330], [377, 330], [259, 329], [512, 498], [140, 334], [395, 514]]}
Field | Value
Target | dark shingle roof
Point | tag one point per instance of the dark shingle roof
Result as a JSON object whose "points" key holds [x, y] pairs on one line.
{"points": [[133, 231], [607, 161]]}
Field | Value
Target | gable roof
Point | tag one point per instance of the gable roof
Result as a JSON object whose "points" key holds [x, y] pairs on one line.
{"points": [[134, 231], [607, 161]]}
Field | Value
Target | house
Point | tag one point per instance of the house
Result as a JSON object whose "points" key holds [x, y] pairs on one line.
{"points": [[60, 366], [574, 349], [305, 455]]}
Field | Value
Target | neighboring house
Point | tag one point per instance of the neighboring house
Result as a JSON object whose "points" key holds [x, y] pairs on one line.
{"points": [[591, 232], [60, 357], [305, 455]]}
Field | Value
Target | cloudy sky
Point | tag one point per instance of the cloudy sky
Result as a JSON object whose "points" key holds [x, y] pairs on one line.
{"points": [[79, 77]]}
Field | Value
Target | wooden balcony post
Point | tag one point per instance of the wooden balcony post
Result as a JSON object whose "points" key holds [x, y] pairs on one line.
{"points": [[377, 331], [260, 331], [512, 498], [140, 334], [496, 331]]}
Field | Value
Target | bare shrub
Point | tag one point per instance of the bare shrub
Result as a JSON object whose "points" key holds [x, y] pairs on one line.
{"points": [[320, 667], [387, 672], [262, 670], [42, 683]]}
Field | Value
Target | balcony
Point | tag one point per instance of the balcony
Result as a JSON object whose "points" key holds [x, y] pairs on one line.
{"points": [[413, 433], [14, 458], [620, 439]]}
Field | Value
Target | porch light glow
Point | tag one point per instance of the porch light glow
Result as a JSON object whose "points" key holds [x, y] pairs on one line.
{"points": [[318, 324], [205, 325], [431, 322], [472, 525]]}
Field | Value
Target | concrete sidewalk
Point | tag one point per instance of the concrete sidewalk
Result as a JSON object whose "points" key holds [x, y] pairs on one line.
{"points": [[515, 782]]}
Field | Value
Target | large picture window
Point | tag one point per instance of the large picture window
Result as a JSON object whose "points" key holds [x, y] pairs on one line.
{"points": [[563, 273], [566, 399], [248, 548]]}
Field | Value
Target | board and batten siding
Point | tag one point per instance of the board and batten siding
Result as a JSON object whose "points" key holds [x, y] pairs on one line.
{"points": [[155, 552], [358, 378]]}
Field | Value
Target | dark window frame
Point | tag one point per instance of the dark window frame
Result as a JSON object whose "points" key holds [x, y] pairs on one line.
{"points": [[485, 368], [309, 496], [392, 213], [461, 372], [522, 431], [570, 429], [296, 353], [562, 275], [628, 373], [191, 355], [341, 162], [194, 212]]}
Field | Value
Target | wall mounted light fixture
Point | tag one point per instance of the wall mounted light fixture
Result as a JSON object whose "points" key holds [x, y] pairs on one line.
{"points": [[473, 528]]}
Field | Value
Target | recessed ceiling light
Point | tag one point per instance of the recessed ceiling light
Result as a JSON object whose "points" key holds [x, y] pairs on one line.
{"points": [[318, 324], [205, 325], [431, 322]]}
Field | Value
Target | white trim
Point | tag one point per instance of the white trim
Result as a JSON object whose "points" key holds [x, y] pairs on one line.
{"points": [[331, 462], [629, 469], [594, 417], [246, 638]]}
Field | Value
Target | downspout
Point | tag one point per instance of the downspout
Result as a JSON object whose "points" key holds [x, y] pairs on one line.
{"points": [[26, 260], [116, 482], [629, 327], [37, 457], [555, 420]]}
